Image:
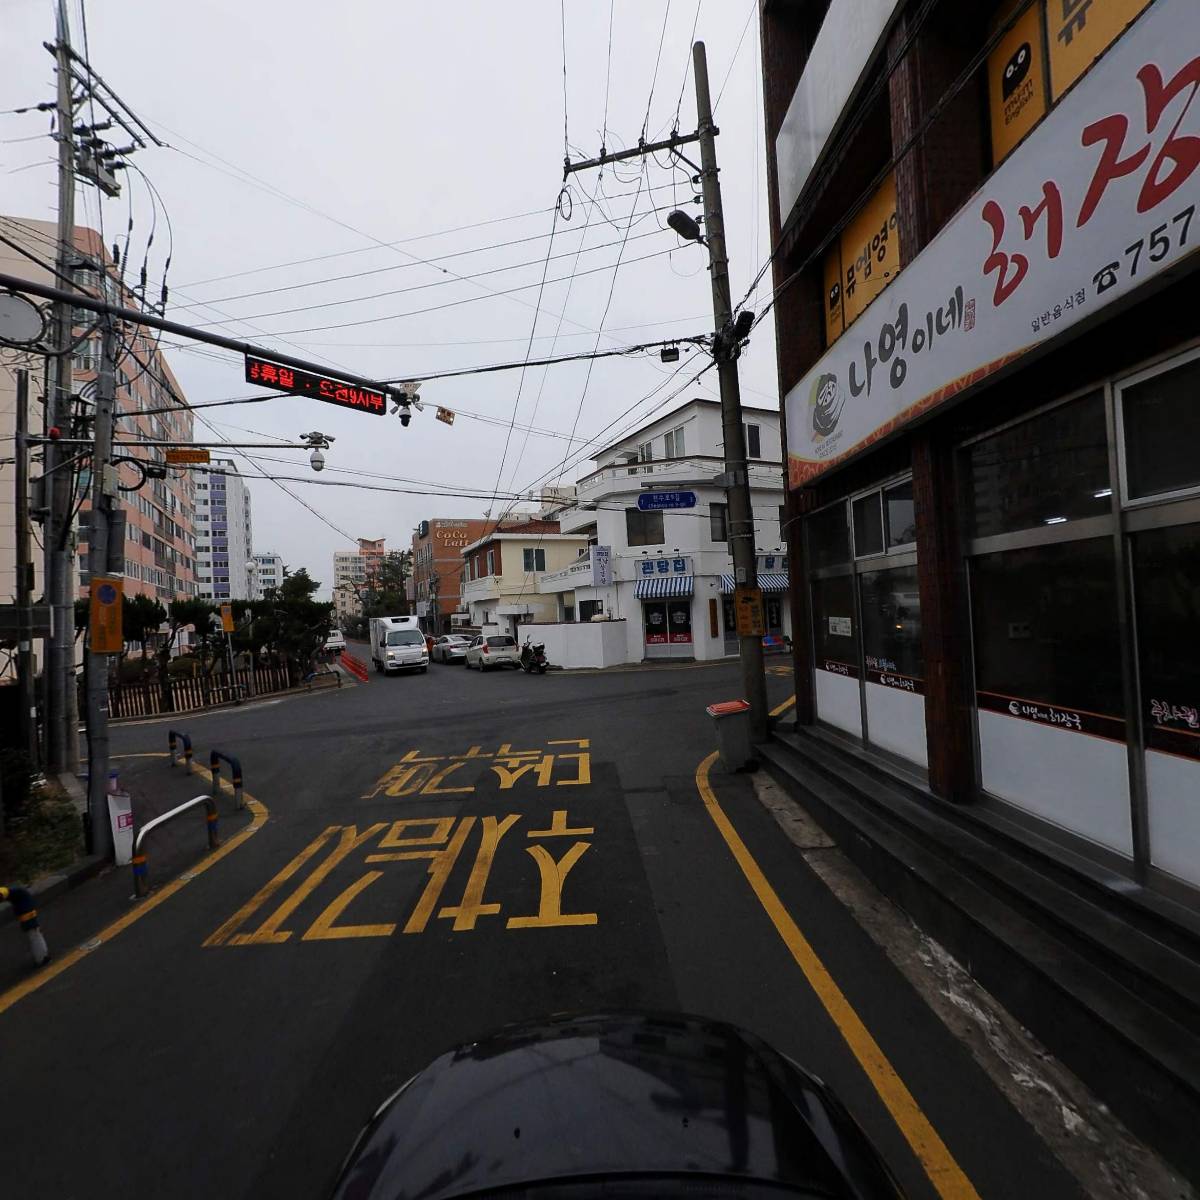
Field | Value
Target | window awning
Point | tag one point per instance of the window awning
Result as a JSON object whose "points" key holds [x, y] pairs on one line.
{"points": [[660, 587], [769, 581]]}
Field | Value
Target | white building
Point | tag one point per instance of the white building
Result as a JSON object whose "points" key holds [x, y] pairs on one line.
{"points": [[352, 571], [268, 572], [667, 589], [224, 563]]}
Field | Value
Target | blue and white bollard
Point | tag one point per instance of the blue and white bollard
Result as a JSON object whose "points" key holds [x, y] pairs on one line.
{"points": [[27, 918]]}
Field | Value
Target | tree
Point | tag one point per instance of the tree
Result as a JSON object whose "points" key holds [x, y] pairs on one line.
{"points": [[141, 616], [384, 594], [180, 615], [289, 622]]}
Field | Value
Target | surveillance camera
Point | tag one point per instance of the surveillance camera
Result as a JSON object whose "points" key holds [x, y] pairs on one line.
{"points": [[317, 460], [405, 417]]}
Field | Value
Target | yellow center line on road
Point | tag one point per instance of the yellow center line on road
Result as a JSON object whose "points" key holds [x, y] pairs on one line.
{"points": [[939, 1164], [58, 965]]}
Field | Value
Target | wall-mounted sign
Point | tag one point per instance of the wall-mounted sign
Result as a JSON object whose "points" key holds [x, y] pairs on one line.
{"points": [[105, 628], [864, 259], [1099, 200], [1016, 73], [1079, 31], [601, 558], [444, 414], [180, 456], [663, 566], [656, 501], [227, 625], [328, 388]]}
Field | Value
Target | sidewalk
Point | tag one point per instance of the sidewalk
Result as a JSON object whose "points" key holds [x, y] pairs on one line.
{"points": [[73, 915]]}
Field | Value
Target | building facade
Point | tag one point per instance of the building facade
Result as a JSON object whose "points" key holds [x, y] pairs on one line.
{"points": [[988, 345], [666, 573], [500, 571], [437, 562], [268, 573], [158, 558], [224, 534], [352, 571]]}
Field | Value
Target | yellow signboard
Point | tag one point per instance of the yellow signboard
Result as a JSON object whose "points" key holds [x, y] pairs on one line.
{"points": [[106, 631], [748, 610], [1017, 82], [1079, 31], [227, 617], [835, 317], [179, 456], [870, 251]]}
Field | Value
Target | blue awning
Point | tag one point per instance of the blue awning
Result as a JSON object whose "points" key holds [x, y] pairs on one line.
{"points": [[769, 581], [661, 587]]}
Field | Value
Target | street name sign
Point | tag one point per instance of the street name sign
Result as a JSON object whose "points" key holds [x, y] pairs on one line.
{"points": [[656, 501]]}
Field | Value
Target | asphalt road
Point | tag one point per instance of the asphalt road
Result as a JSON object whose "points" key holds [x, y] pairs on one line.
{"points": [[445, 853]]}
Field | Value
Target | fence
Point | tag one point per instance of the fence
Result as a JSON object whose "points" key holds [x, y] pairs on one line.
{"points": [[144, 698]]}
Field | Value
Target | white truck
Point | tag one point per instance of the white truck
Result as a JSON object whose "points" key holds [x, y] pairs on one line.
{"points": [[397, 644]]}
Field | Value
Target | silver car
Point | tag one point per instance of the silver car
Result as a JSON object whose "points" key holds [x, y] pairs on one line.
{"points": [[493, 650], [450, 648]]}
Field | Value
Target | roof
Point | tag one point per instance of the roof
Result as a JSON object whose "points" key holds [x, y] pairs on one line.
{"points": [[746, 408]]}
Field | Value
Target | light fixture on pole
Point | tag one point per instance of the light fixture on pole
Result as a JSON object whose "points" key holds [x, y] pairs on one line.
{"points": [[686, 226]]}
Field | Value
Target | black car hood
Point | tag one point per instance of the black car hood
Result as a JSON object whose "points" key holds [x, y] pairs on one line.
{"points": [[610, 1096]]}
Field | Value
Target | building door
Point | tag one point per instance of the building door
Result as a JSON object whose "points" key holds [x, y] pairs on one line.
{"points": [[668, 627], [729, 625]]}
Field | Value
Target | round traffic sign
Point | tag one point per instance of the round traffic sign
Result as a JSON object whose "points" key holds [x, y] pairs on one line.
{"points": [[22, 323]]}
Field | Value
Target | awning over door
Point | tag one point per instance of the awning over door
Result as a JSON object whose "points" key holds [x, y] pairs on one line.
{"points": [[662, 587], [769, 581]]}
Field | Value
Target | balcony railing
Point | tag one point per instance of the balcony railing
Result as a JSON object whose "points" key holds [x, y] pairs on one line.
{"points": [[634, 475]]}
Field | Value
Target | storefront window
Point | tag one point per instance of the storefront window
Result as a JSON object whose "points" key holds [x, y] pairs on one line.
{"points": [[1047, 470], [828, 537], [1162, 432], [1047, 646], [868, 526], [900, 517], [1167, 581], [833, 625], [891, 627]]}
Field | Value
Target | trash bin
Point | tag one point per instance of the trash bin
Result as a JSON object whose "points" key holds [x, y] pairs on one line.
{"points": [[732, 721]]}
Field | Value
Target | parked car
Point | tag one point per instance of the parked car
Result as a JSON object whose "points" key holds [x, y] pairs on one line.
{"points": [[615, 1104], [450, 648], [336, 641], [494, 650]]}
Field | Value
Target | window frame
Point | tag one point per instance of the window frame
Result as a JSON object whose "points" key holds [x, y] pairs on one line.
{"points": [[757, 427], [723, 506]]}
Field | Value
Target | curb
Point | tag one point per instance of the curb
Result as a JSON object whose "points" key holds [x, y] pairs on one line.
{"points": [[50, 886]]}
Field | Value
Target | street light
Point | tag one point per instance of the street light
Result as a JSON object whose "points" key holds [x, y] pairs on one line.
{"points": [[685, 225]]}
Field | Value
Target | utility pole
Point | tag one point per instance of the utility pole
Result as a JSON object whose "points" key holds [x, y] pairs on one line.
{"points": [[726, 347], [740, 508], [59, 720], [97, 667], [25, 697]]}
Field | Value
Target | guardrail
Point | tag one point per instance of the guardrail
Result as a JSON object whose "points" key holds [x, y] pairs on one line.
{"points": [[235, 770], [172, 736], [27, 918], [355, 666], [141, 879]]}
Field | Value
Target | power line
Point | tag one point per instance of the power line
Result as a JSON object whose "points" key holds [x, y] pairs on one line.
{"points": [[737, 50], [657, 60]]}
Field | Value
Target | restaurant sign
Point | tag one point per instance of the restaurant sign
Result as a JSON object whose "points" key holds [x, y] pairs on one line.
{"points": [[1098, 200]]}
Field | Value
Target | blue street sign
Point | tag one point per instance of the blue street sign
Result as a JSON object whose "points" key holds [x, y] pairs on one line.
{"points": [[653, 501]]}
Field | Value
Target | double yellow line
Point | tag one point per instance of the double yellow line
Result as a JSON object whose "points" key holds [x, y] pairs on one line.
{"points": [[935, 1158]]}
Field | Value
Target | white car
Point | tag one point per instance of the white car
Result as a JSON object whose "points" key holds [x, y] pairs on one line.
{"points": [[493, 650], [335, 641], [450, 648]]}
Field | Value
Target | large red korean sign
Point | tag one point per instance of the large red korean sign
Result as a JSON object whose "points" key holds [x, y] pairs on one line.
{"points": [[321, 387], [1098, 200]]}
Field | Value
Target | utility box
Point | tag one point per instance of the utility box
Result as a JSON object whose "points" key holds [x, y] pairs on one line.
{"points": [[732, 721]]}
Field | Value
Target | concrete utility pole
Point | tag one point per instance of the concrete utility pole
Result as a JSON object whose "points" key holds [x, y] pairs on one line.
{"points": [[103, 483], [25, 698], [62, 745], [740, 508]]}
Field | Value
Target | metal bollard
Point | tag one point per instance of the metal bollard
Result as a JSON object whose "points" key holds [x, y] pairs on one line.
{"points": [[235, 769], [27, 917], [141, 877], [187, 748]]}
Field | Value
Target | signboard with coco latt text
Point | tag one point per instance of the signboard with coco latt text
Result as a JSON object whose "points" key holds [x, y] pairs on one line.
{"points": [[1098, 200]]}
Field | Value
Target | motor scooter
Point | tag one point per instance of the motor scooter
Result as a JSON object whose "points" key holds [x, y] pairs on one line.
{"points": [[533, 657]]}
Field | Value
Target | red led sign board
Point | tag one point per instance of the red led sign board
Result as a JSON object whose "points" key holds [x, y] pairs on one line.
{"points": [[320, 387]]}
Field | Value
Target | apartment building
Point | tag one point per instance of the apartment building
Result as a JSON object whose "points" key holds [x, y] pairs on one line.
{"points": [[352, 571], [268, 572], [159, 541], [436, 579], [225, 568]]}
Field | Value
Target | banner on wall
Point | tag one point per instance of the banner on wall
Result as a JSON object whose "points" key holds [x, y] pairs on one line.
{"points": [[1017, 82], [1099, 199], [1079, 31], [862, 261]]}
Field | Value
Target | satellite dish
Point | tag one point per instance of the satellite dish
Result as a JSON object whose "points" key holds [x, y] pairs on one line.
{"points": [[22, 323]]}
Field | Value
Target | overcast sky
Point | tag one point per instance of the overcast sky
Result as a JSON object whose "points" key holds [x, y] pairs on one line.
{"points": [[302, 130]]}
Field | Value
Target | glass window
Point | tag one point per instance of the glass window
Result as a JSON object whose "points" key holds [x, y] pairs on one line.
{"points": [[828, 537], [644, 528], [899, 516], [533, 559], [833, 624], [491, 562], [673, 442], [1167, 579], [1050, 469], [891, 623], [1162, 432], [1046, 629], [868, 526], [645, 451], [590, 608], [753, 442], [718, 522]]}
